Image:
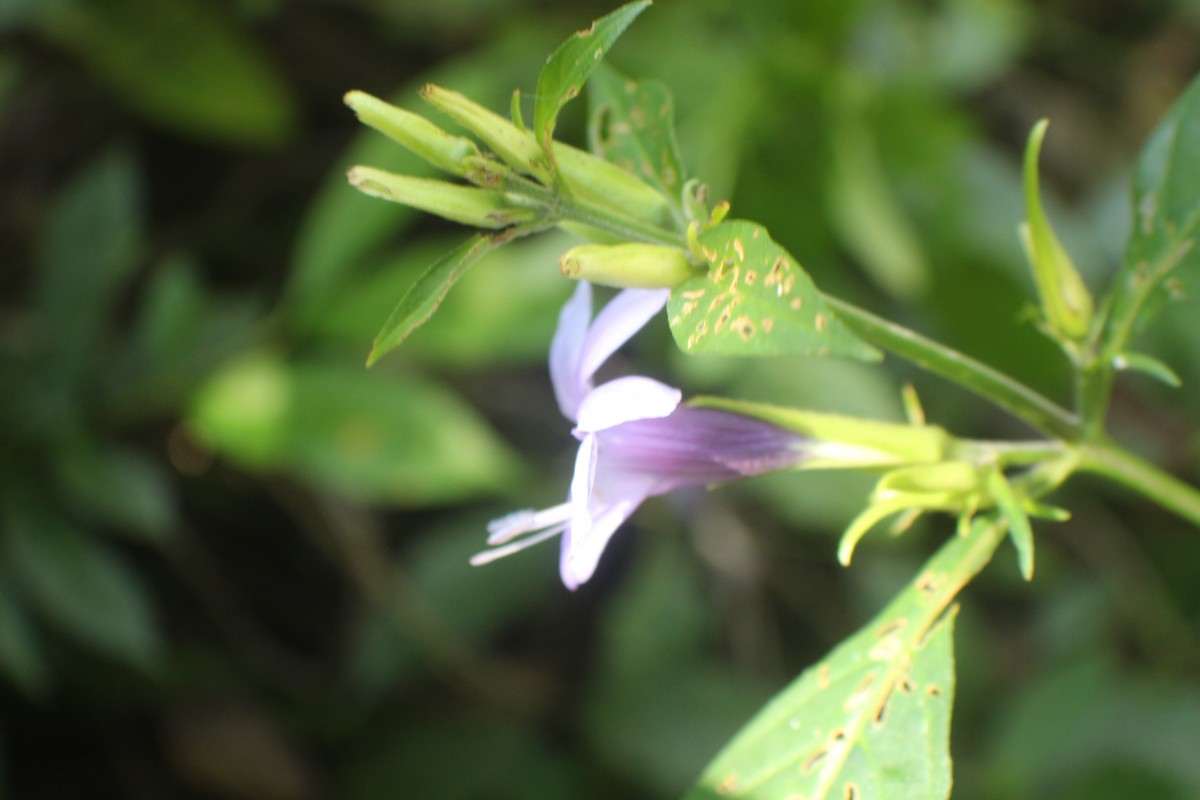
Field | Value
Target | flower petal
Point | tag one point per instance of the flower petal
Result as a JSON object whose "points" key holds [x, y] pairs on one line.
{"points": [[601, 499], [566, 350], [625, 399], [625, 315]]}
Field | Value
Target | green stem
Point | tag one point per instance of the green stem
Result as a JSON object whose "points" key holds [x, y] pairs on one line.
{"points": [[1016, 398], [1105, 458]]}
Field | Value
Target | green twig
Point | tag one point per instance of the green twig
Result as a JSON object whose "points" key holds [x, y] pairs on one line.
{"points": [[1105, 458], [1014, 397]]}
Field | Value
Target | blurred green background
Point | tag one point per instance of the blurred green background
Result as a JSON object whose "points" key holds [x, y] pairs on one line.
{"points": [[233, 561]]}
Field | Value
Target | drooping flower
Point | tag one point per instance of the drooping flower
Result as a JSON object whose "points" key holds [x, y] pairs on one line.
{"points": [[636, 439]]}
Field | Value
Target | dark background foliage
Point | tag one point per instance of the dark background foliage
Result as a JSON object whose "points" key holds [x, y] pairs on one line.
{"points": [[233, 562]]}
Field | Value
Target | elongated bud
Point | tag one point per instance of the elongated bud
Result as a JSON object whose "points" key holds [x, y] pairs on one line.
{"points": [[1066, 302], [516, 146], [847, 442], [482, 208], [422, 137], [630, 265], [595, 180]]}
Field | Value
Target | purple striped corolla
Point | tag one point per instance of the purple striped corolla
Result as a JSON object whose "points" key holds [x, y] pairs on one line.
{"points": [[636, 438]]}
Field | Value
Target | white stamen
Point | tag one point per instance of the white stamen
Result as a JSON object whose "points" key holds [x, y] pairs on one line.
{"points": [[513, 525], [488, 556]]}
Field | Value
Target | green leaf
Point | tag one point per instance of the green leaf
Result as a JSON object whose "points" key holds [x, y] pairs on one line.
{"points": [[1140, 362], [79, 586], [570, 65], [870, 720], [470, 327], [1162, 261], [182, 63], [87, 253], [633, 126], [1019, 529], [122, 488], [427, 293], [372, 436], [756, 301], [20, 650]]}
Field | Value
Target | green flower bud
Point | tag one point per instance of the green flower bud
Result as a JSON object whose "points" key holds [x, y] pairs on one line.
{"points": [[1066, 302], [422, 137], [482, 208], [644, 266], [515, 145], [595, 180]]}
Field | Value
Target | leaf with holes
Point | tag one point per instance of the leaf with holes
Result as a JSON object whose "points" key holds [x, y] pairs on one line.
{"points": [[633, 126], [756, 300], [871, 720], [424, 297], [570, 65], [1162, 260]]}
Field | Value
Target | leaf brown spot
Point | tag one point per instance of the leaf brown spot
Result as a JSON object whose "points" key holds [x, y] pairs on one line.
{"points": [[933, 690], [727, 784], [743, 327], [895, 626], [927, 583], [823, 677], [819, 322], [881, 713], [723, 318], [796, 303], [739, 249], [906, 685], [813, 760], [751, 277], [851, 792], [767, 324], [775, 274]]}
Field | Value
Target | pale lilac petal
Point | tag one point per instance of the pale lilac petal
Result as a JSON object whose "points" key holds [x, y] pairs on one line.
{"points": [[581, 554], [625, 315], [566, 350], [626, 399], [601, 500]]}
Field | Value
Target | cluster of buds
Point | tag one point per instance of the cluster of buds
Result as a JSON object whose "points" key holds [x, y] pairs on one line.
{"points": [[512, 181]]}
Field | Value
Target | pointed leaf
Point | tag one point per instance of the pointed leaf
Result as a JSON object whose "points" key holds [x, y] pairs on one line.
{"points": [[183, 63], [872, 719], [1019, 529], [87, 253], [633, 126], [1162, 260], [20, 649], [756, 300], [79, 586], [1140, 362], [424, 296], [569, 66], [370, 436]]}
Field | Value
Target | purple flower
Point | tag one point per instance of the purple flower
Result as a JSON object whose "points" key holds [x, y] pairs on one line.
{"points": [[636, 440]]}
